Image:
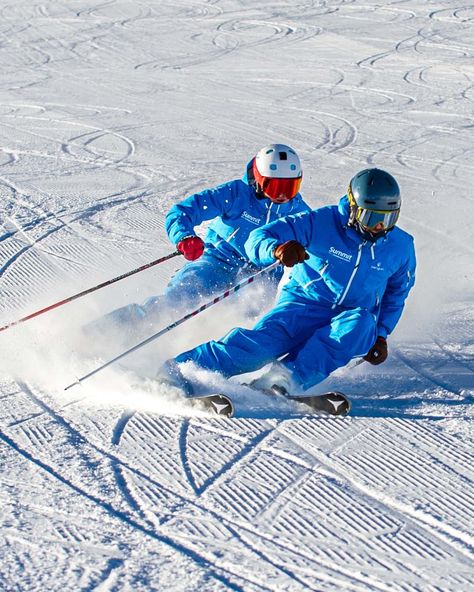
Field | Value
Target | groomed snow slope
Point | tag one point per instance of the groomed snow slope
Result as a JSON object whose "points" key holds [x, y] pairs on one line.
{"points": [[110, 112]]}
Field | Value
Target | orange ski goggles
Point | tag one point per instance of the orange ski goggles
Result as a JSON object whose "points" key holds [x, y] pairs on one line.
{"points": [[278, 190]]}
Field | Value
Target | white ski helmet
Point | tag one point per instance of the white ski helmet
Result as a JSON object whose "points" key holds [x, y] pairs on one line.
{"points": [[277, 171]]}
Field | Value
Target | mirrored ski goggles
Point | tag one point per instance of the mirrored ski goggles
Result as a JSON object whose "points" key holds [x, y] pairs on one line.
{"points": [[369, 219], [281, 190]]}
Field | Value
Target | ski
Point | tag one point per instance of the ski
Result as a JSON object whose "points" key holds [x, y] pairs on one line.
{"points": [[332, 402], [217, 404]]}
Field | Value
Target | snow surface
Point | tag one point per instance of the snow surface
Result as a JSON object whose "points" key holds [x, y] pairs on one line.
{"points": [[112, 110]]}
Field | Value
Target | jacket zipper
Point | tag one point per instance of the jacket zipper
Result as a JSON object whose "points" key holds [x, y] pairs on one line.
{"points": [[269, 210], [351, 279]]}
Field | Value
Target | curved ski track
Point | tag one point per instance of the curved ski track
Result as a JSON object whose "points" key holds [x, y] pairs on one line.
{"points": [[154, 478]]}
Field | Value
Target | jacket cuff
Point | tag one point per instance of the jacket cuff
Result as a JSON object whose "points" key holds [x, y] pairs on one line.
{"points": [[184, 235]]}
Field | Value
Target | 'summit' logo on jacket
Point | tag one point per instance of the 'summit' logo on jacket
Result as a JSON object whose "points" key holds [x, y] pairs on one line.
{"points": [[251, 218], [340, 254]]}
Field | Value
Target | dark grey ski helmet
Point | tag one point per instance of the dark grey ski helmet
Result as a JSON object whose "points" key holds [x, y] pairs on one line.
{"points": [[374, 197]]}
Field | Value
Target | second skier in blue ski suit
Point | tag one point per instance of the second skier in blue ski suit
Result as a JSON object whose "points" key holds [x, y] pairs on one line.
{"points": [[268, 191], [352, 270]]}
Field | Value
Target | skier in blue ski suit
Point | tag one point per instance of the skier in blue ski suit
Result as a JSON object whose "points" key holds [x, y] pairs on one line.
{"points": [[268, 190], [235, 208], [352, 270]]}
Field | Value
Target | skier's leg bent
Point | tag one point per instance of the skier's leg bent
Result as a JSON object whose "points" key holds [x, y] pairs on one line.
{"points": [[246, 350], [348, 335], [241, 351], [119, 326], [134, 321], [198, 279]]}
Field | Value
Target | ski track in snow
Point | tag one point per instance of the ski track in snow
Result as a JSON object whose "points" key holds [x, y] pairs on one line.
{"points": [[110, 111]]}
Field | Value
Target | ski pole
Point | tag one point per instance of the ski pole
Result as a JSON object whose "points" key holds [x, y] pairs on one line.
{"points": [[186, 317], [355, 362], [88, 291]]}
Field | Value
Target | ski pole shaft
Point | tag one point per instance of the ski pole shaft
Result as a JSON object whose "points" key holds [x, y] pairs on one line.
{"points": [[186, 317], [88, 291], [355, 362]]}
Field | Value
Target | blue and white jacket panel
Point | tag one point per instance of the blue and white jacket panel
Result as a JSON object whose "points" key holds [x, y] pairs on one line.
{"points": [[235, 211], [343, 270]]}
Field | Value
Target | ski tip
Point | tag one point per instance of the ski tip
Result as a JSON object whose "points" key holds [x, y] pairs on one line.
{"points": [[331, 403], [222, 405], [341, 403], [219, 405]]}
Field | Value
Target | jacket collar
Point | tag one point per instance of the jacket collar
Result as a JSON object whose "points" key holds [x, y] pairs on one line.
{"points": [[344, 211]]}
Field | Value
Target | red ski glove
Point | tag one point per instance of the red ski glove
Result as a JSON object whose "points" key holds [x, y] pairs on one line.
{"points": [[290, 253], [192, 247], [378, 352]]}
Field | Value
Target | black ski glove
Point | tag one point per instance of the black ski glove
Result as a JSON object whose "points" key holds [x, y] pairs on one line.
{"points": [[378, 353], [290, 253]]}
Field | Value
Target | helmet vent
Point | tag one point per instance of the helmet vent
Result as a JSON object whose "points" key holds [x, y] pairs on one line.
{"points": [[370, 201], [276, 161]]}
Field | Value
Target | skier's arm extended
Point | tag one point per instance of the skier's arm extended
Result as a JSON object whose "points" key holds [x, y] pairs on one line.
{"points": [[262, 242], [195, 209], [393, 301]]}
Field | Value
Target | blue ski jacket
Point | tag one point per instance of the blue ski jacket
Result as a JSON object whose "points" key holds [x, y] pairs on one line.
{"points": [[343, 269], [235, 210]]}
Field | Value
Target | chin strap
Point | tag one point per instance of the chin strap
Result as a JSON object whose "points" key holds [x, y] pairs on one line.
{"points": [[365, 234], [370, 236]]}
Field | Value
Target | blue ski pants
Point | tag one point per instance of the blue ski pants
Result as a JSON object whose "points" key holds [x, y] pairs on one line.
{"points": [[315, 339], [196, 280], [205, 277]]}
